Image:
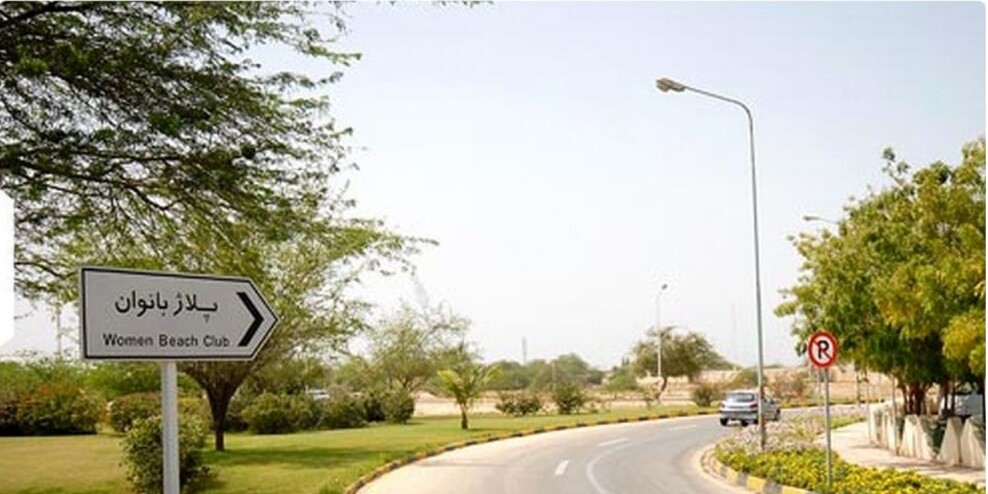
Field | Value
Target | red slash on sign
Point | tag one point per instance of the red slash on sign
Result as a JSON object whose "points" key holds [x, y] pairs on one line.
{"points": [[822, 349]]}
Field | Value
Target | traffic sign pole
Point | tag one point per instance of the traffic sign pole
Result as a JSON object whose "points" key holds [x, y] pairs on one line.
{"points": [[169, 419], [822, 350], [826, 419]]}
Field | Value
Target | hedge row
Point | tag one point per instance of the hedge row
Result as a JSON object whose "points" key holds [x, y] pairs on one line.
{"points": [[50, 409], [278, 414], [793, 458], [806, 469]]}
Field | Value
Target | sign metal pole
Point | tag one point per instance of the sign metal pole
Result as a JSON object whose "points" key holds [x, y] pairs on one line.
{"points": [[169, 418], [826, 419]]}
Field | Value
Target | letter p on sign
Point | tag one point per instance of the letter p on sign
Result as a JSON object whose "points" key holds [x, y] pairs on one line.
{"points": [[822, 349]]}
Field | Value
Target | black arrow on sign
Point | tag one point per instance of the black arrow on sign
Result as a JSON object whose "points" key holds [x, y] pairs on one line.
{"points": [[257, 319]]}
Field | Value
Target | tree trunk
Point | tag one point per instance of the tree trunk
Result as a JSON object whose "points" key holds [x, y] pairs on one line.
{"points": [[662, 389], [915, 396], [463, 418], [219, 404]]}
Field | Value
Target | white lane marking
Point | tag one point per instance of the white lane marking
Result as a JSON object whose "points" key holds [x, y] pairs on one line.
{"points": [[561, 468], [589, 470], [683, 427], [613, 441]]}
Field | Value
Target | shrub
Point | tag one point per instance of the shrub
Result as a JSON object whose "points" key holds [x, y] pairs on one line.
{"points": [[129, 408], [270, 414], [116, 379], [196, 407], [745, 378], [804, 469], [279, 414], [373, 403], [143, 453], [306, 413], [8, 417], [343, 411], [705, 393], [568, 397], [788, 386], [398, 406], [235, 412], [60, 408], [519, 404]]}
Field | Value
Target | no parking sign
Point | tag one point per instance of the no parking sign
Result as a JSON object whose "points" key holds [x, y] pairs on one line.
{"points": [[822, 349]]}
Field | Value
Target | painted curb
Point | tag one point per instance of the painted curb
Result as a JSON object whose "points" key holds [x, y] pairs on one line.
{"points": [[421, 455], [741, 479]]}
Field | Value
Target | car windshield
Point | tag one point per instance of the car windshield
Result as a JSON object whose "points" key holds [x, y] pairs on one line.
{"points": [[741, 397]]}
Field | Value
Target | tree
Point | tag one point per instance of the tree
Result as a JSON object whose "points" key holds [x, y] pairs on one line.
{"points": [[901, 282], [572, 368], [682, 355], [293, 376], [465, 383], [114, 379], [144, 117], [410, 346], [142, 135], [511, 376], [622, 378]]}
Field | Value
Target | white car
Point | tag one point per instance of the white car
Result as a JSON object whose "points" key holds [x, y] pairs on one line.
{"points": [[742, 405]]}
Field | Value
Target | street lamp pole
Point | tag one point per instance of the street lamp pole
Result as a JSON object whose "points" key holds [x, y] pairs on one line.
{"points": [[665, 85], [658, 333]]}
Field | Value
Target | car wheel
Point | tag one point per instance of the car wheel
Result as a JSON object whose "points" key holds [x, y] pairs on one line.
{"points": [[723, 422], [744, 423], [778, 415]]}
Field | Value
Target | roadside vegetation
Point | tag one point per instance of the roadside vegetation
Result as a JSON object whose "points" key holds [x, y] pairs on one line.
{"points": [[793, 458], [303, 462], [900, 278]]}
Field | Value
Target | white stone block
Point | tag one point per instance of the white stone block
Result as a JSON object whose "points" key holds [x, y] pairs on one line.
{"points": [[874, 425], [908, 447], [950, 449], [916, 439], [891, 436], [972, 447]]}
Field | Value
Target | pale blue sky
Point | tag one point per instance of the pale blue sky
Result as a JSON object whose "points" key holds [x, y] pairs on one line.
{"points": [[530, 141]]}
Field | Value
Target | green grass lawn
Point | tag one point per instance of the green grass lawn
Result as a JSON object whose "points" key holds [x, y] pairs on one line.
{"points": [[309, 462]]}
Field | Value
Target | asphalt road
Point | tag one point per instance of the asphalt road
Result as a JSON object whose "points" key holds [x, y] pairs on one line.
{"points": [[642, 457]]}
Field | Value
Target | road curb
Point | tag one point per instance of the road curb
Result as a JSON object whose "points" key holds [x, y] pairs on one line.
{"points": [[421, 455], [741, 479]]}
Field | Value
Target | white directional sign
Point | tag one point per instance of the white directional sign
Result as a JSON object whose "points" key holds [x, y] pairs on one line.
{"points": [[146, 315]]}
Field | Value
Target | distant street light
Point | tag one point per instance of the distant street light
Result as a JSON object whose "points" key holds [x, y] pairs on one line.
{"points": [[665, 85], [811, 217]]}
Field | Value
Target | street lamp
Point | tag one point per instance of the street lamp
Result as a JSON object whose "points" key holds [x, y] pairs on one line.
{"points": [[813, 217], [658, 333], [666, 85]]}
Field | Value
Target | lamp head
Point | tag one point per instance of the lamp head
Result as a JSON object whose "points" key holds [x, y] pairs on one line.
{"points": [[664, 84]]}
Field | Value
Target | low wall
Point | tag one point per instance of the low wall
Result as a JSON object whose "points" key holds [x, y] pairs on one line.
{"points": [[961, 445]]}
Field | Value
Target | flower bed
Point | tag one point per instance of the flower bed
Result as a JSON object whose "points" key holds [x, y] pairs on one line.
{"points": [[793, 458]]}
